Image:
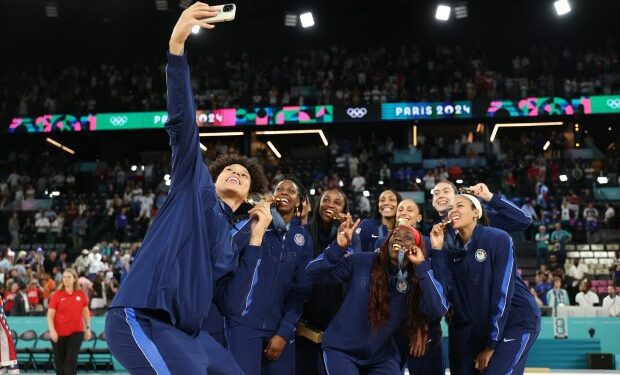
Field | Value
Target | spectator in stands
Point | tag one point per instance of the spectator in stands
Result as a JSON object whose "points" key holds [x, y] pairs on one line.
{"points": [[42, 225], [590, 214], [35, 295], [560, 236], [557, 296], [21, 307], [576, 272], [14, 229], [586, 297], [542, 285], [98, 301], [610, 215], [68, 319], [556, 269], [9, 296], [542, 246], [81, 263], [7, 262], [120, 224], [49, 286], [611, 303]]}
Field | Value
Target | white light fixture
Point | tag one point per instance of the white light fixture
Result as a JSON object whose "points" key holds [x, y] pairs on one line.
{"points": [[195, 29], [203, 147], [168, 182], [166, 177], [51, 9], [443, 12], [312, 191], [563, 178], [417, 180], [134, 168], [274, 149], [415, 136], [161, 5], [341, 183], [562, 7], [221, 134], [183, 4], [381, 182], [288, 132], [307, 20], [459, 181], [142, 167], [55, 194], [602, 180], [322, 135], [291, 19], [521, 124], [60, 146], [460, 11], [366, 193], [546, 146]]}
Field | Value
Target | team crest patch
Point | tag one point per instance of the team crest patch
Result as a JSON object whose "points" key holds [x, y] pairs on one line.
{"points": [[481, 255], [299, 239], [77, 298]]}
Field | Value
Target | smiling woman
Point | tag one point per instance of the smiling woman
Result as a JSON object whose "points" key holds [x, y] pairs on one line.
{"points": [[372, 229]]}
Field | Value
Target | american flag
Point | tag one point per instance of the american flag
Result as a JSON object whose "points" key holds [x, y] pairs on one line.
{"points": [[8, 355]]}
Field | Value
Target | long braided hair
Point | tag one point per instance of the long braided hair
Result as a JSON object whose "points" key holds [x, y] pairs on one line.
{"points": [[379, 299]]}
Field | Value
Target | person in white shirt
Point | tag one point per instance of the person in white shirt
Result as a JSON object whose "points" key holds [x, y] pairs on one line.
{"points": [[611, 303], [586, 297], [358, 184], [43, 225], [577, 271]]}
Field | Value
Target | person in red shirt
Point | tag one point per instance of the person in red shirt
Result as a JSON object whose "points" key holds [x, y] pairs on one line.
{"points": [[9, 298], [68, 319], [35, 292]]}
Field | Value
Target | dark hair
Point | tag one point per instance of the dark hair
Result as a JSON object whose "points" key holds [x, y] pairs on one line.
{"points": [[379, 298], [399, 199], [302, 192], [258, 180], [316, 219]]}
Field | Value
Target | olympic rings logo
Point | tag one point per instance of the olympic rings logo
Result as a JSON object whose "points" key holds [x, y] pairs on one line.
{"points": [[613, 103], [118, 120], [357, 112]]}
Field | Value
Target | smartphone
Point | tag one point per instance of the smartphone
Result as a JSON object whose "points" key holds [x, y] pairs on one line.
{"points": [[227, 13]]}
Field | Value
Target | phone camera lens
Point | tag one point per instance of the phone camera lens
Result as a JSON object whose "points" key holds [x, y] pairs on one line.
{"points": [[228, 8]]}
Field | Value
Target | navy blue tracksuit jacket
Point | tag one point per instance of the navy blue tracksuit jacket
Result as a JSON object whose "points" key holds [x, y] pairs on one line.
{"points": [[370, 230], [485, 289], [349, 331]]}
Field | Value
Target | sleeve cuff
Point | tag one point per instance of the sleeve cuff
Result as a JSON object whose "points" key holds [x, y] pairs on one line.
{"points": [[177, 62], [334, 253], [422, 269], [492, 344], [287, 332]]}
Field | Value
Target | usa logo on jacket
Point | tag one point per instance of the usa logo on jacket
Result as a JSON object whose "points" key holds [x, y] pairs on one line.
{"points": [[480, 255], [299, 239]]}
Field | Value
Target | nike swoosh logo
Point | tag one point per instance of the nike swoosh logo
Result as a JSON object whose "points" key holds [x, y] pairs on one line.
{"points": [[508, 340], [374, 236], [456, 260], [292, 341]]}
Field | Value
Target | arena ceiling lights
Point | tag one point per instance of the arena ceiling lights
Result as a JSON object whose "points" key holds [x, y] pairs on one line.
{"points": [[60, 146], [562, 7], [442, 13], [284, 132], [306, 19], [522, 125]]}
